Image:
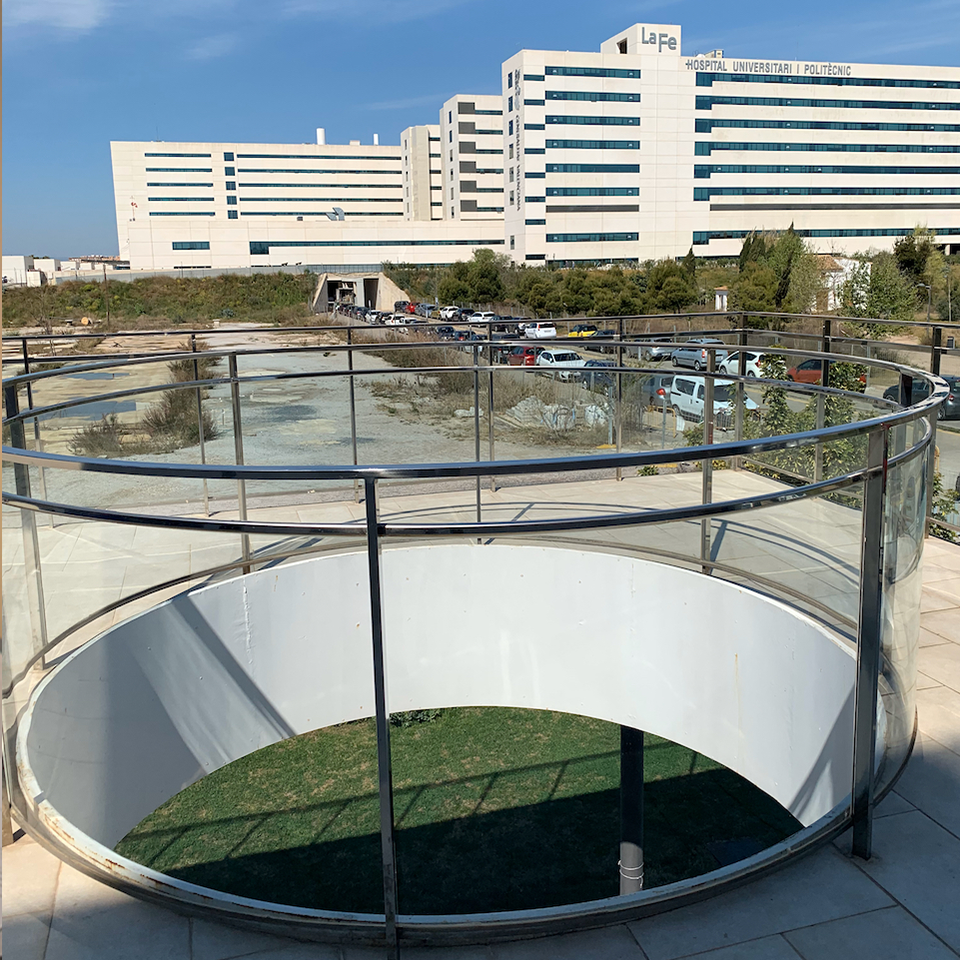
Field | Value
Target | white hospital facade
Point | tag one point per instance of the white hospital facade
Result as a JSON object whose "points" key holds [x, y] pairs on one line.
{"points": [[636, 152]]}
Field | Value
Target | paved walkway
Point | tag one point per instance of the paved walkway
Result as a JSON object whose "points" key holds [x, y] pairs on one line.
{"points": [[903, 903]]}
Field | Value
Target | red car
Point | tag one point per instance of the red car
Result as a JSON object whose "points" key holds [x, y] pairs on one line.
{"points": [[523, 356], [809, 372]]}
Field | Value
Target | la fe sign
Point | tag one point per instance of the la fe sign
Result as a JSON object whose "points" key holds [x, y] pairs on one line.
{"points": [[659, 40]]}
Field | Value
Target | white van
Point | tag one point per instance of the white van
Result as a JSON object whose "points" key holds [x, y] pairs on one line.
{"points": [[687, 393]]}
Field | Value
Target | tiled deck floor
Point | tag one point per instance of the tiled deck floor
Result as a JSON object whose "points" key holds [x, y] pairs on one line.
{"points": [[904, 903]]}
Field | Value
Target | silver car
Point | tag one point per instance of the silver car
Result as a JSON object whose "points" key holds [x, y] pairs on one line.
{"points": [[694, 353]]}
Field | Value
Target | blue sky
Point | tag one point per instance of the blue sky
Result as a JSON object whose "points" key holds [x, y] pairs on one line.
{"points": [[80, 73]]}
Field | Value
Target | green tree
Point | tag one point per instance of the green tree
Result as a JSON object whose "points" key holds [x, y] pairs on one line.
{"points": [[669, 287], [755, 290], [483, 277]]}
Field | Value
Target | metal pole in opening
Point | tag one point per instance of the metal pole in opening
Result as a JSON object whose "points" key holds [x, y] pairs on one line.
{"points": [[932, 458], [868, 645], [631, 810], [476, 419], [238, 449], [203, 451], [388, 847], [618, 406], [31, 542], [706, 465], [353, 411], [490, 430]]}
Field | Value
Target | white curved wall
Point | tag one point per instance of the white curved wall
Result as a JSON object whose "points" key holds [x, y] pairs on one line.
{"points": [[204, 678]]}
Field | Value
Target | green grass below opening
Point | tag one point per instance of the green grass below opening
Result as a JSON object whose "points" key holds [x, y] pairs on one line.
{"points": [[495, 808]]}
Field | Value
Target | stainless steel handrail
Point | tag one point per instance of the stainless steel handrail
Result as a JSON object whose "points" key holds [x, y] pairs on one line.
{"points": [[872, 475]]}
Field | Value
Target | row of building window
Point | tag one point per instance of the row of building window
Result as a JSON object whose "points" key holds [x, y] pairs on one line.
{"points": [[593, 144], [179, 184], [535, 223], [708, 79], [708, 125], [177, 155], [182, 213], [591, 72], [707, 103], [179, 169], [261, 248], [191, 244], [316, 186], [593, 168], [705, 193], [295, 170], [316, 213], [591, 237], [701, 237], [592, 96], [703, 149], [534, 126], [307, 156], [595, 121], [593, 192], [704, 172], [318, 199]]}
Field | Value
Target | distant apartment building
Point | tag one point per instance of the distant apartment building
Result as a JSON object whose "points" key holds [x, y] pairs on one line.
{"points": [[635, 152]]}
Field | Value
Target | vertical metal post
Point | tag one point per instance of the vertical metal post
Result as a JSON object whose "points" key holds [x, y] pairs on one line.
{"points": [[935, 339], [7, 823], [618, 406], [490, 430], [932, 458], [741, 390], [37, 445], [822, 400], [706, 466], [388, 847], [238, 449], [203, 451], [31, 542], [631, 810], [353, 411], [906, 389], [868, 645], [476, 420]]}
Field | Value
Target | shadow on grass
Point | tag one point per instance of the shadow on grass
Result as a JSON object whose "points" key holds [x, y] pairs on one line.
{"points": [[560, 851]]}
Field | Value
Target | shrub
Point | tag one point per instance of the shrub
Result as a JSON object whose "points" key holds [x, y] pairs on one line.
{"points": [[101, 439]]}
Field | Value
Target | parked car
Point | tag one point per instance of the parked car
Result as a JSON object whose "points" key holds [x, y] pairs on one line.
{"points": [[486, 316], [583, 330], [595, 375], [400, 306], [732, 363], [687, 398], [449, 313], [523, 356], [562, 363], [540, 330], [808, 371], [949, 409], [445, 332], [655, 390], [653, 351], [694, 353]]}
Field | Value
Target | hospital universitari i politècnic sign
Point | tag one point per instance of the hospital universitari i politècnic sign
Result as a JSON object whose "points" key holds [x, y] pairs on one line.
{"points": [[780, 68]]}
